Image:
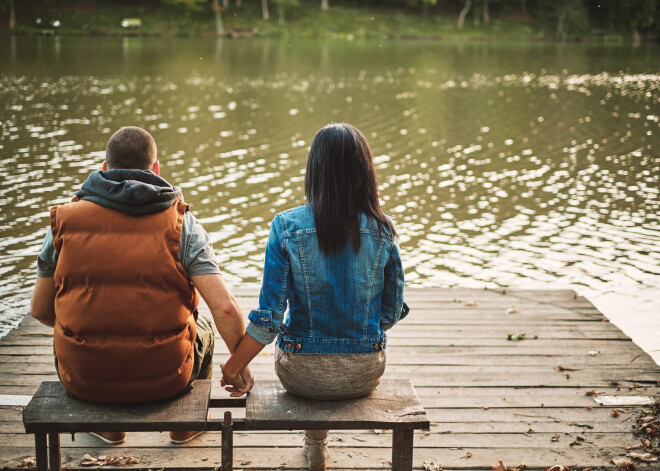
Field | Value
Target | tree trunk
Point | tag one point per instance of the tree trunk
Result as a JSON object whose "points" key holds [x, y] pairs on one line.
{"points": [[280, 14], [239, 3], [219, 27], [523, 7], [464, 12], [637, 38], [560, 22], [12, 16], [324, 4], [225, 3], [264, 10], [486, 12]]}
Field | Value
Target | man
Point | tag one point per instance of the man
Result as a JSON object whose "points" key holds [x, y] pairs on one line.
{"points": [[119, 277]]}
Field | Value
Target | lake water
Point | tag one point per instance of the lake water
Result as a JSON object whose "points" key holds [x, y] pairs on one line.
{"points": [[523, 165]]}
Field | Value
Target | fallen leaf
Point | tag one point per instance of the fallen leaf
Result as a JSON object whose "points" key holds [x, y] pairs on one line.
{"points": [[431, 466], [624, 464], [245, 463], [531, 430], [516, 336], [593, 392], [568, 376], [554, 438], [615, 413], [500, 467], [472, 304], [581, 425], [589, 407], [512, 310], [467, 455], [593, 353], [647, 457], [484, 407], [88, 460], [636, 447], [29, 463]]}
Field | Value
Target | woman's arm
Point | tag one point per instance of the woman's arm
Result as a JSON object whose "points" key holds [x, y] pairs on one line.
{"points": [[265, 322], [392, 305]]}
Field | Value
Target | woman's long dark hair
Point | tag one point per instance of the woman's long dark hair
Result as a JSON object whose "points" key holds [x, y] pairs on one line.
{"points": [[341, 184]]}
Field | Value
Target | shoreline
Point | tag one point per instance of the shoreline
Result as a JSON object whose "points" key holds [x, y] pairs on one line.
{"points": [[302, 22]]}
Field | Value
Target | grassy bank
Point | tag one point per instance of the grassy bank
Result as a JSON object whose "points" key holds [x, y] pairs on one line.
{"points": [[96, 19]]}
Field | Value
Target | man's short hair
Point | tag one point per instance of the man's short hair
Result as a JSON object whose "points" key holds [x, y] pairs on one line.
{"points": [[132, 148]]}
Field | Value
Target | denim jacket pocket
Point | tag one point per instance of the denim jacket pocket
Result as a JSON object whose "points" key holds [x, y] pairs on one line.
{"points": [[263, 319]]}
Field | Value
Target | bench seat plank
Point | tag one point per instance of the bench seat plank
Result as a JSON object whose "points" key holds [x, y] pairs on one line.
{"points": [[394, 404], [52, 409]]}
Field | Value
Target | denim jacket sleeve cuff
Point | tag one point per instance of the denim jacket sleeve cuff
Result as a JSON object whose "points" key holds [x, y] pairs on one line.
{"points": [[259, 334], [261, 327], [404, 312]]}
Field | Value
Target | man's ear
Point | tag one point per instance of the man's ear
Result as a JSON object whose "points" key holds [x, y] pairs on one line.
{"points": [[105, 166], [156, 168]]}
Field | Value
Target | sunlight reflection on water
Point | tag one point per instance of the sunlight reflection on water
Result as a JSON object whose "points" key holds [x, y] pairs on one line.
{"points": [[495, 177]]}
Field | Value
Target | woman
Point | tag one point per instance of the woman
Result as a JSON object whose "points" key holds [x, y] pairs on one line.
{"points": [[335, 264]]}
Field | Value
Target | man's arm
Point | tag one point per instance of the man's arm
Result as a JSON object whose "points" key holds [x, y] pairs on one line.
{"points": [[228, 320], [42, 307]]}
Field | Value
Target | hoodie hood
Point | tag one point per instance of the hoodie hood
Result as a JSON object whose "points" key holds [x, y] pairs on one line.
{"points": [[132, 192]]}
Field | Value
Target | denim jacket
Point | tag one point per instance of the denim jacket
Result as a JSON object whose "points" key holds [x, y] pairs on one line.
{"points": [[342, 303]]}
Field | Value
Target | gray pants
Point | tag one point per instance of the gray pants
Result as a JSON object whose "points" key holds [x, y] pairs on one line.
{"points": [[329, 376]]}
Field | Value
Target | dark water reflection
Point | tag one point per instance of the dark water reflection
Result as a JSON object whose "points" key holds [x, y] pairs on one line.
{"points": [[503, 164]]}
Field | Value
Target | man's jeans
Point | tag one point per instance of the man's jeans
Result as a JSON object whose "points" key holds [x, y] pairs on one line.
{"points": [[203, 361]]}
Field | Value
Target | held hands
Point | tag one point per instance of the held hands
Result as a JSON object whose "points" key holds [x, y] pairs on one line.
{"points": [[236, 384], [236, 375]]}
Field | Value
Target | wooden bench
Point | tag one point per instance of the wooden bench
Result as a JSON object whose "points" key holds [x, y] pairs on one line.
{"points": [[393, 405]]}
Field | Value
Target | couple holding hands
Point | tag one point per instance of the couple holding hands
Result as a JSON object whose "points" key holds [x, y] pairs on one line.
{"points": [[122, 267]]}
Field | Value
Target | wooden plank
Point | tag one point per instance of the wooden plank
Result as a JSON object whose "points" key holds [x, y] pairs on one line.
{"points": [[52, 409], [393, 404], [190, 457], [396, 356], [349, 439]]}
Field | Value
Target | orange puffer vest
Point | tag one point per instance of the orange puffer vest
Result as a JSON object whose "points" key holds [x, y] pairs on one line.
{"points": [[125, 308]]}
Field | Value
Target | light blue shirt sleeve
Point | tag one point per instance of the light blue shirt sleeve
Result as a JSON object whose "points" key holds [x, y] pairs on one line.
{"points": [[47, 258], [195, 251]]}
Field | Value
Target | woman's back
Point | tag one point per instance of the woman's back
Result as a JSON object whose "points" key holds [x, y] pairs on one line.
{"points": [[336, 301]]}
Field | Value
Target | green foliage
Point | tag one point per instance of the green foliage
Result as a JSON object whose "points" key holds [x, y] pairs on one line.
{"points": [[495, 19], [286, 3], [194, 4]]}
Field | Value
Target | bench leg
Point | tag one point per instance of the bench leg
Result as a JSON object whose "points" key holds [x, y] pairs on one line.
{"points": [[41, 448], [227, 443], [54, 445], [402, 450]]}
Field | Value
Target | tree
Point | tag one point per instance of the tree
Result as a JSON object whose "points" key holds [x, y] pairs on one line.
{"points": [[426, 4], [264, 10], [198, 5], [464, 12], [324, 4], [281, 7], [219, 27], [12, 12]]}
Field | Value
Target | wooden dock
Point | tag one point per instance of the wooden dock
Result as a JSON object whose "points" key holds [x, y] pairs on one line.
{"points": [[490, 399]]}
